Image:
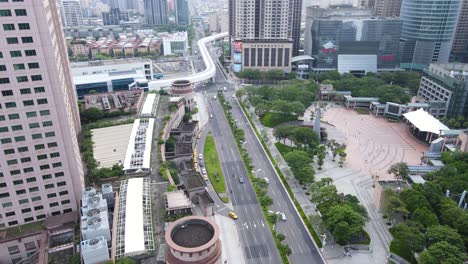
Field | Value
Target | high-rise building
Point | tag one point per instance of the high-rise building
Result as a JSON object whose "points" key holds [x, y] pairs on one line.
{"points": [[387, 8], [71, 13], [350, 39], [182, 12], [41, 173], [156, 12], [460, 41], [428, 30], [269, 31], [114, 16]]}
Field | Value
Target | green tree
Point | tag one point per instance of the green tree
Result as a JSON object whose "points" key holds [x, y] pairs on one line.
{"points": [[414, 200], [304, 137], [297, 159], [393, 206], [409, 236], [343, 222], [439, 233], [342, 155], [425, 217], [321, 153], [283, 132], [400, 170], [91, 115], [305, 175], [442, 253]]}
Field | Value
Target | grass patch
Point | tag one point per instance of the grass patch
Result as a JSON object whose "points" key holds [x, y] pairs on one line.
{"points": [[273, 119], [362, 111], [284, 149], [24, 229], [213, 167], [402, 250]]}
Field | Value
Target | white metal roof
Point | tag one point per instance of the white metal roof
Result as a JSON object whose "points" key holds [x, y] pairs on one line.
{"points": [[134, 233], [147, 109], [110, 144], [425, 122], [133, 149]]}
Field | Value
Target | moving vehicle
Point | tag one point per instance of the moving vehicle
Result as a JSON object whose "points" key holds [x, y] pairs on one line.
{"points": [[203, 171], [199, 135], [265, 178], [233, 215], [241, 179], [282, 216], [200, 156]]}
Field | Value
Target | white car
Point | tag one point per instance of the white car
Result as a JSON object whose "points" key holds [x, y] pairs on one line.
{"points": [[282, 216], [203, 171], [266, 179], [200, 156]]}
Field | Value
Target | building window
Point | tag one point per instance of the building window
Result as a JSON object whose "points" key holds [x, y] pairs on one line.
{"points": [[51, 195], [44, 112], [35, 199], [10, 105], [32, 179], [13, 116], [23, 191], [26, 210], [25, 91], [18, 182], [42, 157], [34, 125], [17, 127], [21, 79], [15, 172], [13, 250], [7, 204], [62, 193], [22, 149], [23, 201], [28, 219], [59, 174], [10, 214], [5, 140], [12, 162], [29, 53], [37, 136], [20, 12], [59, 184], [39, 89], [20, 138], [47, 176], [8, 27], [15, 53], [24, 26], [2, 68], [37, 208], [39, 146], [49, 186], [54, 155], [44, 167], [13, 40], [9, 151], [3, 129], [34, 189], [27, 170], [5, 12], [27, 39], [50, 134], [35, 78], [25, 160], [31, 114], [42, 216], [4, 80], [19, 66], [42, 101], [65, 202], [52, 145], [33, 65], [7, 93]]}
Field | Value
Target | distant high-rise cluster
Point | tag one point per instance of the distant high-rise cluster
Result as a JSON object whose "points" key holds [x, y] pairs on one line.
{"points": [[41, 173], [269, 31], [156, 12]]}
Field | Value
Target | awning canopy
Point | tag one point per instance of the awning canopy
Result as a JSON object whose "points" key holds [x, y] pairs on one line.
{"points": [[425, 122]]}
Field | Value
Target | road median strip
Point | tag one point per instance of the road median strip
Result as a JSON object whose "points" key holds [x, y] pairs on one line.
{"points": [[213, 168]]}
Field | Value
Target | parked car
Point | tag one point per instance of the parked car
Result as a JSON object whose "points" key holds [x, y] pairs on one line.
{"points": [[203, 171], [200, 156], [233, 215]]}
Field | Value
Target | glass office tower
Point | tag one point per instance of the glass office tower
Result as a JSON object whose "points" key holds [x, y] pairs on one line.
{"points": [[428, 29]]}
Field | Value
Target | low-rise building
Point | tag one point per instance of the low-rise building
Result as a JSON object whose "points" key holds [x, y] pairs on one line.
{"points": [[446, 82], [175, 44], [111, 66]]}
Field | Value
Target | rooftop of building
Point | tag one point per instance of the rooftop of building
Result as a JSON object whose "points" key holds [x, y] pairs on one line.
{"points": [[110, 144], [193, 181], [455, 70], [192, 233], [177, 199], [108, 62], [106, 77]]}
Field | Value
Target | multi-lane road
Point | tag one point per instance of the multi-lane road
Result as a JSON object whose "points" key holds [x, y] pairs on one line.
{"points": [[256, 238]]}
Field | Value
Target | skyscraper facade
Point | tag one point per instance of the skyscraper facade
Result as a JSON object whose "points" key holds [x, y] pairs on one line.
{"points": [[182, 12], [41, 172], [71, 13], [114, 16], [269, 31], [156, 12], [428, 30], [387, 8], [460, 41], [345, 35]]}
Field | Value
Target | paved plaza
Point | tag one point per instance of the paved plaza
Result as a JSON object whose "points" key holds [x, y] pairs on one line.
{"points": [[373, 143]]}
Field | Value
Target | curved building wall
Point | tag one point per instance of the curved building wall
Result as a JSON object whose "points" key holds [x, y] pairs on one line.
{"points": [[207, 253], [184, 89], [428, 30]]}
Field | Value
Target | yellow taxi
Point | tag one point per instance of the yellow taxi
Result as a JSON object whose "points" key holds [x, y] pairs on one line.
{"points": [[233, 215]]}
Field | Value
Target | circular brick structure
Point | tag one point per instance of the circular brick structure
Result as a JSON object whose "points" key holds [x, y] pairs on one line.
{"points": [[193, 240], [184, 89]]}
